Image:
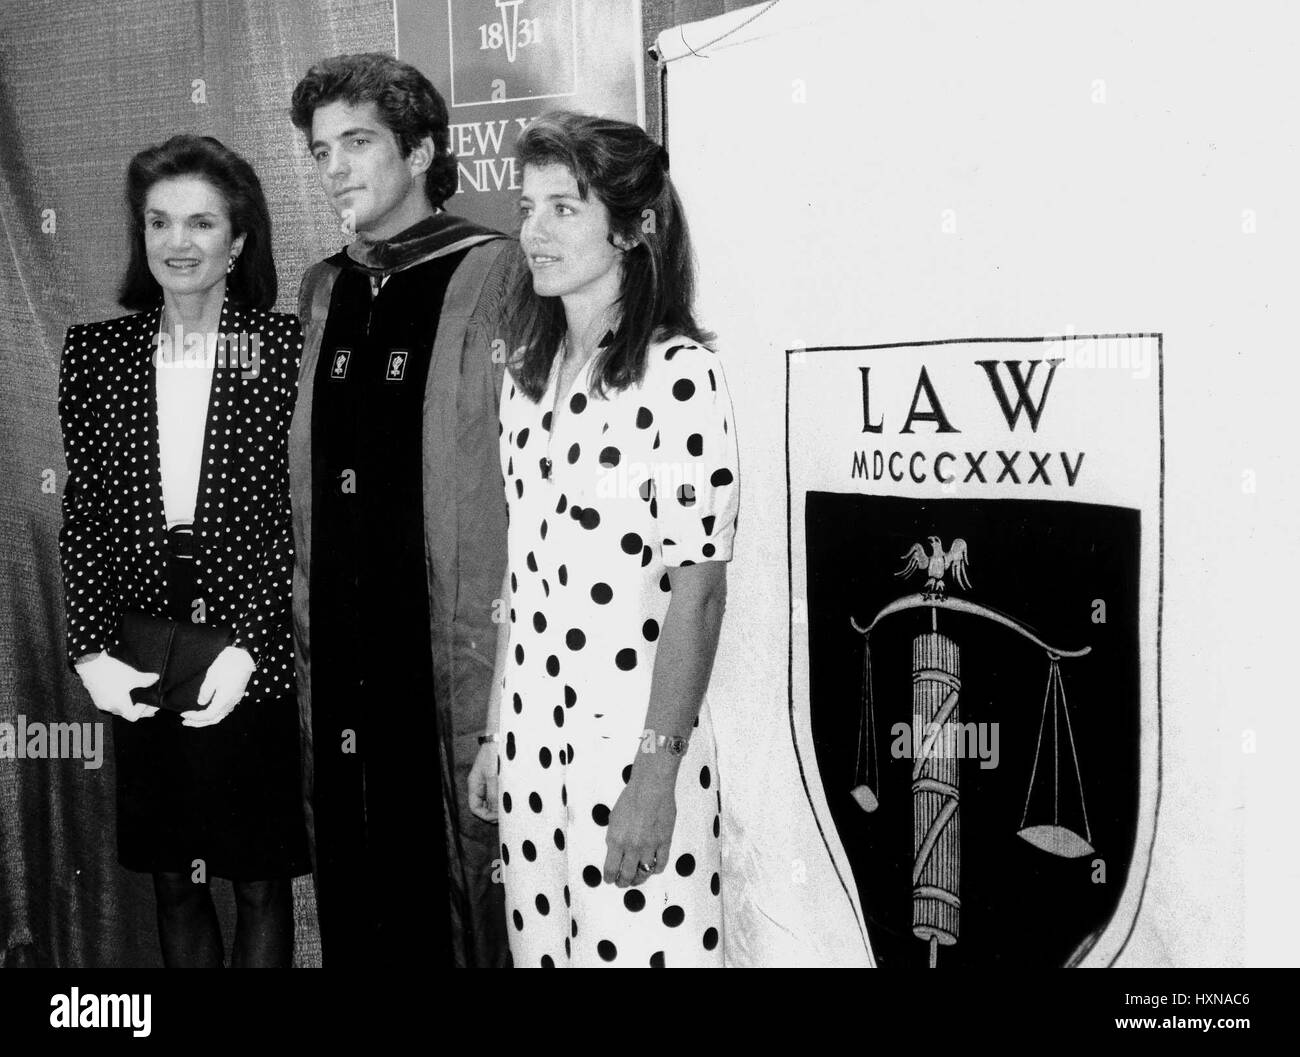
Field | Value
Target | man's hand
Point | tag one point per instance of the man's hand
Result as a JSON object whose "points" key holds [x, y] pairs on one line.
{"points": [[483, 783], [110, 682]]}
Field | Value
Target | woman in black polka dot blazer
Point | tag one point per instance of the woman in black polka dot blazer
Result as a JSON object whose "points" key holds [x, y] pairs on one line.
{"points": [[175, 424]]}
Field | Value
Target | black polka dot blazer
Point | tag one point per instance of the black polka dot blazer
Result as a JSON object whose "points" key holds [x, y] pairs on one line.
{"points": [[114, 526]]}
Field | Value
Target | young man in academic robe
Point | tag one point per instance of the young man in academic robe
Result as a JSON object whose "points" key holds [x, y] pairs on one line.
{"points": [[399, 526]]}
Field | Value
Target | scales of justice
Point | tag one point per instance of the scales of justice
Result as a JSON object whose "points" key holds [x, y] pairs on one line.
{"points": [[936, 789]]}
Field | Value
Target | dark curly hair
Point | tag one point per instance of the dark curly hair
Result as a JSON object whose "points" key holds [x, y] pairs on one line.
{"points": [[627, 171], [253, 282], [406, 101]]}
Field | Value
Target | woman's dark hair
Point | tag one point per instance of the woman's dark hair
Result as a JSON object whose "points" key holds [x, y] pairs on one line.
{"points": [[406, 101], [252, 283], [627, 171]]}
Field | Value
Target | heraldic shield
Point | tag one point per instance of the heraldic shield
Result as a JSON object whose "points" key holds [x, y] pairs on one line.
{"points": [[981, 656]]}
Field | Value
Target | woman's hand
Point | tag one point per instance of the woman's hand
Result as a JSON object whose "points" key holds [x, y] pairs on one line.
{"points": [[222, 688], [483, 783], [110, 682], [641, 824]]}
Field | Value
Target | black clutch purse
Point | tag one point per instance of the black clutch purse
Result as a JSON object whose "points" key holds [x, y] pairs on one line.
{"points": [[179, 652]]}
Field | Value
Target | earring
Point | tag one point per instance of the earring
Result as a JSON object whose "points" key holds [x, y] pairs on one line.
{"points": [[230, 267]]}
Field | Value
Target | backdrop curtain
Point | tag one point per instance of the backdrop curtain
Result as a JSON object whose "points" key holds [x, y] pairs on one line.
{"points": [[83, 86]]}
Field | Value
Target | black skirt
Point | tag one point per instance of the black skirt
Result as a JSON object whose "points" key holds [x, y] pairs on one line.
{"points": [[225, 798]]}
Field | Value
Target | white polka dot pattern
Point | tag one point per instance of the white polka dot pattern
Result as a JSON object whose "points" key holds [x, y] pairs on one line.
{"points": [[114, 525]]}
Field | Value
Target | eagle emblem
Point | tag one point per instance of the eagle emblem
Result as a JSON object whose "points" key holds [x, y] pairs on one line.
{"points": [[937, 563]]}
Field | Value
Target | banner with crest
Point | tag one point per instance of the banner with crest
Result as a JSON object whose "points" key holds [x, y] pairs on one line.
{"points": [[975, 548]]}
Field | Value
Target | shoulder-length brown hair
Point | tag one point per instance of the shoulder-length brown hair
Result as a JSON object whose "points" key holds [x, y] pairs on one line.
{"points": [[628, 172], [252, 283]]}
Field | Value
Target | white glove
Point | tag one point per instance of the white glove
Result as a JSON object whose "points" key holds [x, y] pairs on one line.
{"points": [[110, 682], [222, 688]]}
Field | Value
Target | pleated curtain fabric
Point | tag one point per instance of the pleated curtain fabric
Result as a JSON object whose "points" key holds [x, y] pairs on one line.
{"points": [[83, 86]]}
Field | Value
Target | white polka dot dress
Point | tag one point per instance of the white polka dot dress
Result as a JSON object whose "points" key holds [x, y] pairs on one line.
{"points": [[623, 488]]}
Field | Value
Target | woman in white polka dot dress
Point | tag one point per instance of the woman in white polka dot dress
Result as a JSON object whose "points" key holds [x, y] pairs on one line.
{"points": [[177, 506], [619, 459]]}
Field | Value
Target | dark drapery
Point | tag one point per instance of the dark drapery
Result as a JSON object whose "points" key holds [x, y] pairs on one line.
{"points": [[83, 86]]}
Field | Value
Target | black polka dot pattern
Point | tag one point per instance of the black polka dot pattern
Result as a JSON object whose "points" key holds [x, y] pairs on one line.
{"points": [[606, 494]]}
